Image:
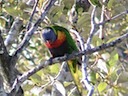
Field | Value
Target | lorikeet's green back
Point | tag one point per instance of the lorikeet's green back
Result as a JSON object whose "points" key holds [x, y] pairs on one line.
{"points": [[70, 41], [59, 42]]}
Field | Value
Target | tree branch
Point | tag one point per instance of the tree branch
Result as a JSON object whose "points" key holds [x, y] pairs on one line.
{"points": [[93, 29], [117, 16], [26, 75], [32, 14], [102, 18], [8, 71], [3, 56], [85, 81], [13, 33]]}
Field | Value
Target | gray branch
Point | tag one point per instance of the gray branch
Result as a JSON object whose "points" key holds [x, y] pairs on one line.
{"points": [[32, 14], [13, 33], [113, 18], [26, 75]]}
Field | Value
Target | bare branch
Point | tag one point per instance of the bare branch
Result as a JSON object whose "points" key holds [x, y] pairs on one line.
{"points": [[93, 29], [13, 33], [102, 18], [32, 14], [113, 18], [102, 22]]}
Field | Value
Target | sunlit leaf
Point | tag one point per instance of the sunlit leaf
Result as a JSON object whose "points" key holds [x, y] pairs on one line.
{"points": [[28, 87], [102, 65], [92, 77], [110, 92], [2, 21], [13, 11], [102, 86], [97, 41], [54, 68], [36, 78], [59, 86], [110, 3], [114, 59], [95, 3], [106, 56]]}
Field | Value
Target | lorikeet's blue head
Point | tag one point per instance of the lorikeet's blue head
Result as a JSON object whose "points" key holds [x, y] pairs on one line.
{"points": [[49, 35]]}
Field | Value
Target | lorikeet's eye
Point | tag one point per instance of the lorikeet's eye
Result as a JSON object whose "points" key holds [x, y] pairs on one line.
{"points": [[48, 34]]}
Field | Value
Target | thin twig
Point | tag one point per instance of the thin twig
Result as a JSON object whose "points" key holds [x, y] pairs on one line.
{"points": [[113, 18], [93, 29], [61, 68], [32, 14], [70, 93], [101, 27]]}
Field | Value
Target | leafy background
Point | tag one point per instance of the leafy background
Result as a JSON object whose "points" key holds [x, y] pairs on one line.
{"points": [[108, 69]]}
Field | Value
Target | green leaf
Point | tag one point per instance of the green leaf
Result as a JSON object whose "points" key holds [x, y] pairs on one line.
{"points": [[3, 21], [54, 68], [110, 3], [110, 92], [97, 41], [59, 86], [113, 59], [112, 39], [102, 86], [106, 56], [102, 65], [36, 78], [92, 77], [13, 11], [95, 3], [123, 77]]}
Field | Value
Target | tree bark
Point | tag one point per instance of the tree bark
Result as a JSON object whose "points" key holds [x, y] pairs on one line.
{"points": [[8, 71]]}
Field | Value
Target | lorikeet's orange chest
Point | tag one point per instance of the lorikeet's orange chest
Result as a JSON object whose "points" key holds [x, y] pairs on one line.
{"points": [[59, 47]]}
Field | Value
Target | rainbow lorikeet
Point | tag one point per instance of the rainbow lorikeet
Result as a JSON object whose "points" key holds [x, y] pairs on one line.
{"points": [[59, 42]]}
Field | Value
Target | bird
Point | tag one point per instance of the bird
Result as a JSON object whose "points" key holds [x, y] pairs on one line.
{"points": [[59, 43]]}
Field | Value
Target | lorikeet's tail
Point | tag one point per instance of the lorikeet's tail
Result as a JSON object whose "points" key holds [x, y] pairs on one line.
{"points": [[73, 67]]}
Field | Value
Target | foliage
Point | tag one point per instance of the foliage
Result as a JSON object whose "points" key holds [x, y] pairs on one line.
{"points": [[108, 69]]}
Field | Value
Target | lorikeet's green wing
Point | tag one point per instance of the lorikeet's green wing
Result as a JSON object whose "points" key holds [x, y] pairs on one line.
{"points": [[72, 64], [71, 42]]}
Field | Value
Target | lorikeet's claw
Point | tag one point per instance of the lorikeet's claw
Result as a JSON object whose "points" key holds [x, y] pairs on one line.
{"points": [[50, 60]]}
